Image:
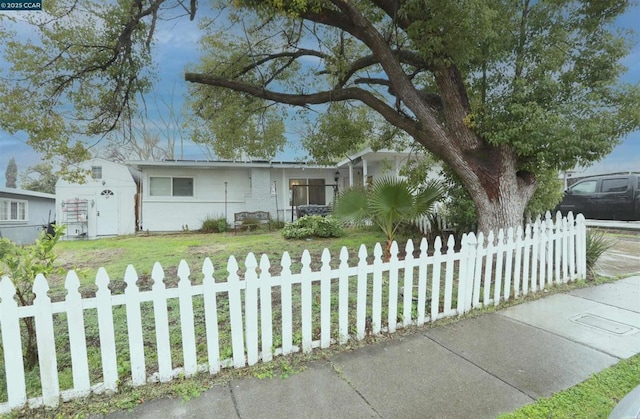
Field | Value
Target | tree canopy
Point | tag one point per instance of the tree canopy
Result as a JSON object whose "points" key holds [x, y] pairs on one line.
{"points": [[498, 90]]}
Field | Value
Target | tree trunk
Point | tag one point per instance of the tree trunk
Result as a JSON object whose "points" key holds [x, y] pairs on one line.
{"points": [[499, 190]]}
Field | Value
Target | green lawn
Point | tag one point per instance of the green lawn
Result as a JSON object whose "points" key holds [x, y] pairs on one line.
{"points": [[114, 254], [593, 398]]}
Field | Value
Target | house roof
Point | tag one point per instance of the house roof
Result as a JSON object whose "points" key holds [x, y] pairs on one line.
{"points": [[370, 155], [25, 193], [210, 164]]}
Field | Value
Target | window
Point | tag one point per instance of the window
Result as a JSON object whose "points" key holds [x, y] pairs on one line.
{"points": [[182, 186], [96, 172], [307, 192], [12, 210], [583, 188], [615, 185], [167, 186]]}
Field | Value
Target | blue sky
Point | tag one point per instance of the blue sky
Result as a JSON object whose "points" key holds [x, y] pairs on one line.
{"points": [[177, 47]]}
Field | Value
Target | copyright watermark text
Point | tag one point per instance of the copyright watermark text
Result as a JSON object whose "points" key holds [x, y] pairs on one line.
{"points": [[21, 5]]}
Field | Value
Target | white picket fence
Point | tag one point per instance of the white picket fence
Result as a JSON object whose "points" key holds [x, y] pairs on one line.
{"points": [[486, 272]]}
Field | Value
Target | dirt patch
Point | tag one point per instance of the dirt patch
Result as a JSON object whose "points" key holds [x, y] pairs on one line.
{"points": [[207, 250], [99, 257]]}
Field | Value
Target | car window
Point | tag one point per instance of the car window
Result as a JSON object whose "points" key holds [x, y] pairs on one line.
{"points": [[615, 185], [586, 187]]}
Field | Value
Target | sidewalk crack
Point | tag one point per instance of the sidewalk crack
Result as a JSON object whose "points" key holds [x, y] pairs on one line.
{"points": [[344, 378], [233, 399], [533, 398]]}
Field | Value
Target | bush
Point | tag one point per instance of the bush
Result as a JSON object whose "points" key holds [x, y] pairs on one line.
{"points": [[597, 244], [313, 226], [214, 225], [22, 264], [276, 224]]}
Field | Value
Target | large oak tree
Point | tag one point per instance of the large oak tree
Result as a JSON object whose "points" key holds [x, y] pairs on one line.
{"points": [[500, 91]]}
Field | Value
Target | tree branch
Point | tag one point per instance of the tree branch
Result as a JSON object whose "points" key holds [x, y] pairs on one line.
{"points": [[318, 98]]}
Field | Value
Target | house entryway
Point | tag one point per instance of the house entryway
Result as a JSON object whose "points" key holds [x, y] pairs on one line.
{"points": [[107, 213]]}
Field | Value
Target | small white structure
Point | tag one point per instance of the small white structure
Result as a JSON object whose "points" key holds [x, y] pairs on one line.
{"points": [[102, 206], [23, 214]]}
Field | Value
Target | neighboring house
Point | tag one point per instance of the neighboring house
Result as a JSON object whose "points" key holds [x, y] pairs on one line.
{"points": [[23, 214], [102, 206]]}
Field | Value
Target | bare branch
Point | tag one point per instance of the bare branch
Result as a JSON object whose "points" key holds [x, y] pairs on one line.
{"points": [[304, 100]]}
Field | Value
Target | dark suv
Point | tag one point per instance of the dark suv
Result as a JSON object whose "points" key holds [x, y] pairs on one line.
{"points": [[612, 197]]}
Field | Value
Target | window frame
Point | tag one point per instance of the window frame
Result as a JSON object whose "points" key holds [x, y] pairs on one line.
{"points": [[307, 190], [96, 172], [626, 181], [21, 210], [172, 188], [595, 190]]}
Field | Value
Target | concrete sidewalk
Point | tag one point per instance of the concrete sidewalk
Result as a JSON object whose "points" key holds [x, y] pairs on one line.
{"points": [[475, 368]]}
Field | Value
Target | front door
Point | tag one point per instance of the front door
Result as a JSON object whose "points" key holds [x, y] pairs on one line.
{"points": [[107, 213]]}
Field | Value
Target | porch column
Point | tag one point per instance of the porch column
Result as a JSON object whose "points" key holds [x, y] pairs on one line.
{"points": [[351, 175], [364, 173]]}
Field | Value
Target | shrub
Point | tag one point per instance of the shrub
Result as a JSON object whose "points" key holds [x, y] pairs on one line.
{"points": [[313, 226], [276, 224], [214, 225], [22, 264], [597, 244]]}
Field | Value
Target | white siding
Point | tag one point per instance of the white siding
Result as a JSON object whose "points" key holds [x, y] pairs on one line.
{"points": [[115, 178]]}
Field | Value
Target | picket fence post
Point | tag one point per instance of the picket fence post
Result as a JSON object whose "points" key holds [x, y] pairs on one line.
{"points": [[394, 266], [12, 345], [211, 316], [581, 246], [519, 243], [488, 269], [46, 342], [266, 311], [376, 297], [161, 317], [497, 286], [448, 280], [77, 337], [107, 334], [235, 313], [407, 298], [251, 309], [343, 297], [286, 304], [527, 259], [134, 327], [187, 323], [361, 293], [325, 299], [477, 253], [435, 276], [305, 302], [572, 246], [422, 281]]}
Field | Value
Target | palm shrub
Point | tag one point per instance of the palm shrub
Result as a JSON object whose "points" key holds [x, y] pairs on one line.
{"points": [[387, 204]]}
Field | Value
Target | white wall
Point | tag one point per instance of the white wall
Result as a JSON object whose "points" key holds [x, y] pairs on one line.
{"points": [[115, 178], [248, 189]]}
